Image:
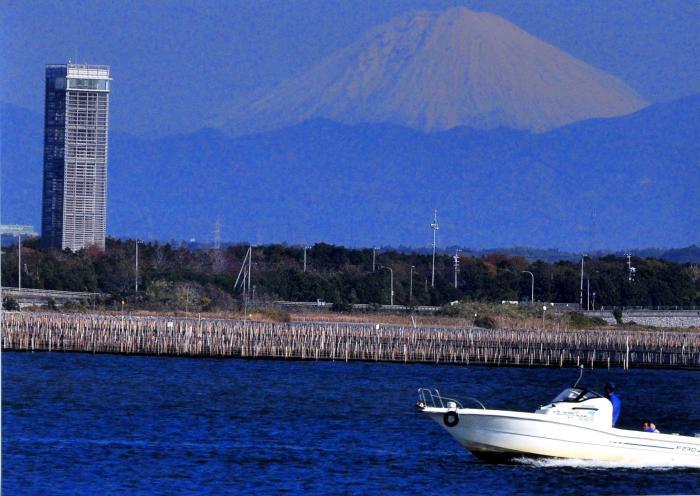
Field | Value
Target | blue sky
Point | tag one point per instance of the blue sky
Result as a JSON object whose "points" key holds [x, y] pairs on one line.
{"points": [[174, 62]]}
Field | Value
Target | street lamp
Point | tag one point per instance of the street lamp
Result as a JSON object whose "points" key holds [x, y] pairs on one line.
{"points": [[410, 287], [391, 274], [588, 294], [136, 268], [532, 288], [19, 260], [305, 248], [544, 309], [580, 302]]}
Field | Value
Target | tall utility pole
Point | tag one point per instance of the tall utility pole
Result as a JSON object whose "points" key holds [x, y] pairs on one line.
{"points": [[136, 269], [456, 259], [588, 294], [532, 287], [410, 287], [591, 244], [434, 226], [19, 260], [374, 259], [580, 303], [391, 274], [305, 248], [250, 266]]}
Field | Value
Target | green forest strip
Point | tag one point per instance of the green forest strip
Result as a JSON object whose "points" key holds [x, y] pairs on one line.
{"points": [[178, 277]]}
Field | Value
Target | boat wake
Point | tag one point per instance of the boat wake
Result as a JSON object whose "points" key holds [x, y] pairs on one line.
{"points": [[594, 464]]}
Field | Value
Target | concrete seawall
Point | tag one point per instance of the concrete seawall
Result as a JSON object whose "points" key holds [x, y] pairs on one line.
{"points": [[337, 341]]}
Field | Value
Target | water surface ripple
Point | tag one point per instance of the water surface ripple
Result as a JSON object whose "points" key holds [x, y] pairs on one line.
{"points": [[108, 424]]}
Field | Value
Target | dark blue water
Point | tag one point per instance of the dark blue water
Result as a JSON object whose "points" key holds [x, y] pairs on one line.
{"points": [[84, 424]]}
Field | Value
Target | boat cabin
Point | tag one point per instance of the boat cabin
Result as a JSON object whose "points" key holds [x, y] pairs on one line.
{"points": [[579, 405]]}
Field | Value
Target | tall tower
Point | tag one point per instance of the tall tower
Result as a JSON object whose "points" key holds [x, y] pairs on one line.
{"points": [[76, 117]]}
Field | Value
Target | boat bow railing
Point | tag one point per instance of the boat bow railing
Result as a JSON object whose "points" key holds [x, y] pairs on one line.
{"points": [[431, 397]]}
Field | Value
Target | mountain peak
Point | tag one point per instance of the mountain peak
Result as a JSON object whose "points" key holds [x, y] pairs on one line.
{"points": [[438, 70]]}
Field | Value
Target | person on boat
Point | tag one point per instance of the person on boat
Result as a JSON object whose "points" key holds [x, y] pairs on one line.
{"points": [[615, 400], [649, 427]]}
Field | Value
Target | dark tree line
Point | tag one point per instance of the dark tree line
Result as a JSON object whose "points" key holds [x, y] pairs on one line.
{"points": [[173, 276]]}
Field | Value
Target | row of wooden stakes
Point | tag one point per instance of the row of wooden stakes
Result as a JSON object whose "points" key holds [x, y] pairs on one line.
{"points": [[341, 341]]}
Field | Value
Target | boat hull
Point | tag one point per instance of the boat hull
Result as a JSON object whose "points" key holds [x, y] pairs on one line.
{"points": [[497, 435]]}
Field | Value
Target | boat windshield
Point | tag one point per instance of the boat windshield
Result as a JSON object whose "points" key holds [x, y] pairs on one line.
{"points": [[575, 395]]}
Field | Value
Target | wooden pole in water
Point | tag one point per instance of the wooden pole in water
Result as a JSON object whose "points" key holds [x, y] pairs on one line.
{"points": [[324, 341]]}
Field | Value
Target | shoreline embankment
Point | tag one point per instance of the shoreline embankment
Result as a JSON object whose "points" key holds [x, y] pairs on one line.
{"points": [[221, 338]]}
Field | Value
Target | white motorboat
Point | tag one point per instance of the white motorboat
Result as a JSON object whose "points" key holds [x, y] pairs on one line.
{"points": [[577, 424]]}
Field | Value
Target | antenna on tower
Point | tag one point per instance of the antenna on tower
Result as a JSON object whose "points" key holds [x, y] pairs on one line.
{"points": [[434, 226]]}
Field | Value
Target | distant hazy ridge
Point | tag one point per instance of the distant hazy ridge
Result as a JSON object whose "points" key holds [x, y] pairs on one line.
{"points": [[625, 182]]}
